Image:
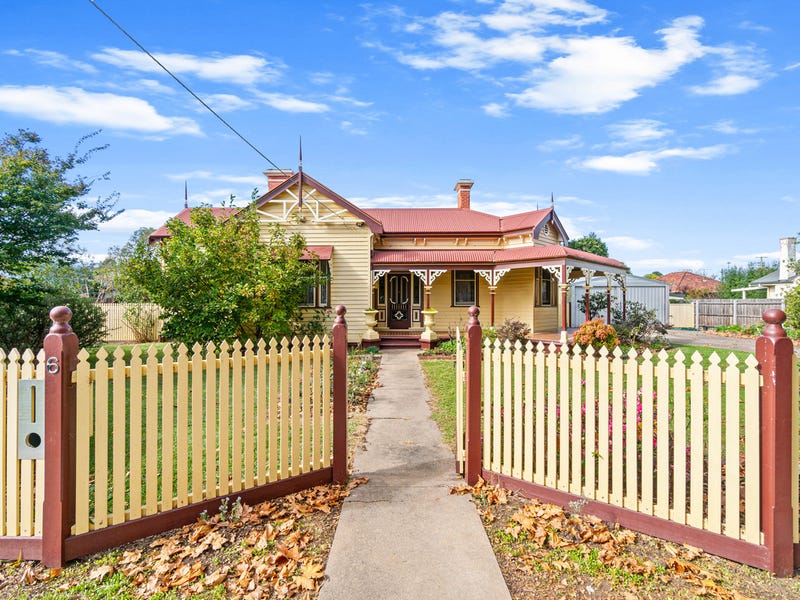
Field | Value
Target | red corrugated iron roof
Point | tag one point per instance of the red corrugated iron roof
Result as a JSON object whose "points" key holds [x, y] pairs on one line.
{"points": [[421, 221], [317, 253], [488, 257], [186, 216]]}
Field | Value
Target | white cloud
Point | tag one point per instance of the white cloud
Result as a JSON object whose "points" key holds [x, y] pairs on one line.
{"points": [[646, 161], [727, 85], [740, 70], [224, 177], [624, 243], [790, 199], [638, 131], [293, 104], [349, 127], [53, 59], [597, 74], [727, 126], [792, 67], [134, 218], [750, 26], [350, 101], [666, 265], [407, 201], [568, 143], [70, 105], [526, 15], [493, 109], [242, 69], [225, 102]]}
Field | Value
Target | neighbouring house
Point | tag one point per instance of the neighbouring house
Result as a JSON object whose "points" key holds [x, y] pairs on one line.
{"points": [[408, 275], [781, 279], [650, 293], [685, 284]]}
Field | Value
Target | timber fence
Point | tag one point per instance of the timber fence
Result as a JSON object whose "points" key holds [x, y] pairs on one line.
{"points": [[704, 453], [98, 452], [716, 312]]}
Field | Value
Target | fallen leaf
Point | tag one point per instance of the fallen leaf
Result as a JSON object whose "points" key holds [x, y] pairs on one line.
{"points": [[100, 573]]}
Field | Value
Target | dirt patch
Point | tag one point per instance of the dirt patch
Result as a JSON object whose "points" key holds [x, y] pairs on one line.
{"points": [[547, 553]]}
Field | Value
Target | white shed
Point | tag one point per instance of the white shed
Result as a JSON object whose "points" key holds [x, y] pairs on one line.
{"points": [[650, 292]]}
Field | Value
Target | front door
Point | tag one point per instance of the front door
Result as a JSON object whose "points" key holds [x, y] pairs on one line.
{"points": [[399, 301]]}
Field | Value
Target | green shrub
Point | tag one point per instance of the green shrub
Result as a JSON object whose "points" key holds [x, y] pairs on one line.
{"points": [[640, 327], [514, 331], [25, 308]]}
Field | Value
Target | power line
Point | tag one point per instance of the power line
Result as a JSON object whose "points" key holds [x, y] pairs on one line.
{"points": [[184, 86]]}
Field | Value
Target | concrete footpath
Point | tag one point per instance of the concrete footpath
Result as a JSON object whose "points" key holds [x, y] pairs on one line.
{"points": [[402, 535]]}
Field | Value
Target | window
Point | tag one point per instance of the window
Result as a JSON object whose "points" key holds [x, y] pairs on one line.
{"points": [[319, 295], [464, 288], [544, 288]]}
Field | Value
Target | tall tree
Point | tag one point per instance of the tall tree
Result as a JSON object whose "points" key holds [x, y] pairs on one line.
{"points": [[741, 277], [109, 275], [43, 207], [215, 279], [590, 243]]}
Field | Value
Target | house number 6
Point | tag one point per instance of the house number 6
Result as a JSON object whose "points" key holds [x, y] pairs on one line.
{"points": [[52, 365]]}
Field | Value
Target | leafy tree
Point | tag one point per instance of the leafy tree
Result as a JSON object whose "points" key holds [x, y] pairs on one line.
{"points": [[216, 280], [43, 208], [792, 297], [110, 275], [741, 277], [641, 326], [590, 243], [598, 301], [654, 275]]}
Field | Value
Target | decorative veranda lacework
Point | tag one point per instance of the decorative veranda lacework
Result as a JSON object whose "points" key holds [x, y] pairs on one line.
{"points": [[170, 428], [670, 437]]}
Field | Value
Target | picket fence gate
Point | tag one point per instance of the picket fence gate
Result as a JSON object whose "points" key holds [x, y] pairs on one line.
{"points": [[706, 455], [134, 447]]}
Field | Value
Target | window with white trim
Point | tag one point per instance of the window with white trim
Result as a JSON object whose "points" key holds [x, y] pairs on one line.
{"points": [[319, 295]]}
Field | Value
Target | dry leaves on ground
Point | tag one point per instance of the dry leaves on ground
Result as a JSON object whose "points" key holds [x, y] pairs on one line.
{"points": [[545, 528], [272, 553]]}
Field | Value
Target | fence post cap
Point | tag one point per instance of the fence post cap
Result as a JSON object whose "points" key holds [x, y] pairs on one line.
{"points": [[774, 316], [473, 311], [340, 311], [60, 315]]}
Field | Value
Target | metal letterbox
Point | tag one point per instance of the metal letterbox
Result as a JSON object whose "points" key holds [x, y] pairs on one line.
{"points": [[30, 419]]}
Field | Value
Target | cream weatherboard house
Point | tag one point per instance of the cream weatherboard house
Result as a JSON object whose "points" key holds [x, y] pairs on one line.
{"points": [[408, 275]]}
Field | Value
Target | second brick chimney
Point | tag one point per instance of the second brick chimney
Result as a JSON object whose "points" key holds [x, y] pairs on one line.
{"points": [[275, 177], [462, 188]]}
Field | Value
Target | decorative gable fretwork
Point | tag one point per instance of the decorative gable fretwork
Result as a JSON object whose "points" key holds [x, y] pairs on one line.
{"points": [[378, 274], [492, 276], [428, 275], [555, 271], [313, 208]]}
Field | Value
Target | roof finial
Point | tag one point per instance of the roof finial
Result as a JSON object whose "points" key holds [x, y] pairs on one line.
{"points": [[552, 200], [300, 177], [185, 194]]}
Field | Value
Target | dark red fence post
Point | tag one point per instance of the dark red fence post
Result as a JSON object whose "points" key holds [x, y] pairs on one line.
{"points": [[61, 360], [472, 443], [774, 353], [339, 396]]}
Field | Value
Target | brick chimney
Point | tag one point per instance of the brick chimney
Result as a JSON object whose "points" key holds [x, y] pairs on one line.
{"points": [[788, 253], [275, 177], [462, 188]]}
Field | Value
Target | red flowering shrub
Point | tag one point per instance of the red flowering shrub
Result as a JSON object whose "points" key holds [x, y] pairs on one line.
{"points": [[596, 333]]}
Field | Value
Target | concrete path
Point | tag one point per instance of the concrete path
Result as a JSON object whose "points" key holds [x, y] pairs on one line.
{"points": [[402, 535]]}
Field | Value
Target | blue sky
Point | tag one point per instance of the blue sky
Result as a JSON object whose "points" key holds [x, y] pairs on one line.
{"points": [[669, 128]]}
